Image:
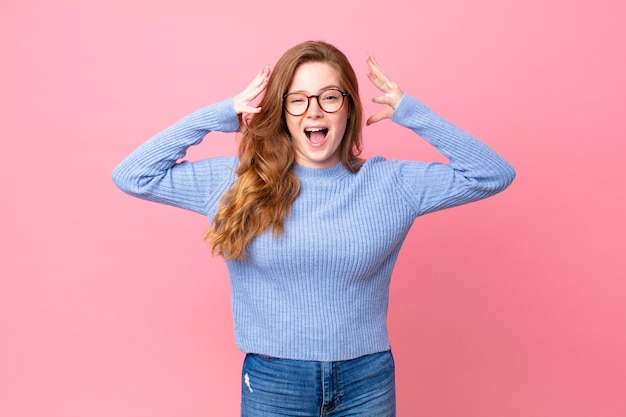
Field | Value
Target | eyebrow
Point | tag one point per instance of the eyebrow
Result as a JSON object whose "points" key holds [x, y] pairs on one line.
{"points": [[318, 91]]}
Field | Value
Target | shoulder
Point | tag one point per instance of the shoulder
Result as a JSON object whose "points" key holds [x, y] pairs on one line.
{"points": [[229, 163], [220, 168], [376, 163], [381, 165]]}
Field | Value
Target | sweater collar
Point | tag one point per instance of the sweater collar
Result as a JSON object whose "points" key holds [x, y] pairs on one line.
{"points": [[335, 172]]}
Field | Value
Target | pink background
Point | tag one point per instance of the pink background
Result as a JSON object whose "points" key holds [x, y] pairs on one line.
{"points": [[514, 306]]}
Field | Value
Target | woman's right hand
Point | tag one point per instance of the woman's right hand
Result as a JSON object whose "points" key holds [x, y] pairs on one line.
{"points": [[242, 100]]}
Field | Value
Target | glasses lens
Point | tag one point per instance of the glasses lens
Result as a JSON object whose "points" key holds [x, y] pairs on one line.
{"points": [[330, 100], [296, 103]]}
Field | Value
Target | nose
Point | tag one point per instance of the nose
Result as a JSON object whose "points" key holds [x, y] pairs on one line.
{"points": [[314, 110]]}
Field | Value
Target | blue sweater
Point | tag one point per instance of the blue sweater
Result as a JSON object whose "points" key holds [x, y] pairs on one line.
{"points": [[320, 290]]}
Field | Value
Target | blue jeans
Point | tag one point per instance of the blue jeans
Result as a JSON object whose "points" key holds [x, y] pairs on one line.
{"points": [[363, 386]]}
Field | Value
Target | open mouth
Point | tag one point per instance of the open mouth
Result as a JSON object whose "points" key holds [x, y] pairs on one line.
{"points": [[316, 135]]}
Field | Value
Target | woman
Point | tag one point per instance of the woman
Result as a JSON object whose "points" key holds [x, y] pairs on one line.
{"points": [[309, 231]]}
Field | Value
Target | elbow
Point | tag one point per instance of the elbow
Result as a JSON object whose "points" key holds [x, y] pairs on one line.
{"points": [[508, 176], [124, 180], [505, 177], [134, 182]]}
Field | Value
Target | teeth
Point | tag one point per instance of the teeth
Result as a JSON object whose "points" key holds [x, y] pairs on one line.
{"points": [[308, 131]]}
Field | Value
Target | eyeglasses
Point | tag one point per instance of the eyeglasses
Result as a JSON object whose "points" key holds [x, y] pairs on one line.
{"points": [[330, 100]]}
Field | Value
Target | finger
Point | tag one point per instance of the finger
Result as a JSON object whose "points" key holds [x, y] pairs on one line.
{"points": [[251, 92], [373, 65], [249, 109], [258, 83], [377, 117], [393, 93], [378, 83], [381, 81], [374, 119], [383, 100], [263, 76], [383, 84], [263, 73], [378, 72], [375, 73]]}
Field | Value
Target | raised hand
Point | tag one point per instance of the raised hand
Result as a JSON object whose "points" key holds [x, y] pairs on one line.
{"points": [[242, 100], [392, 93]]}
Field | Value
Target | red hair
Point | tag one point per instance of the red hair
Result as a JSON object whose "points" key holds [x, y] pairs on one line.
{"points": [[266, 185]]}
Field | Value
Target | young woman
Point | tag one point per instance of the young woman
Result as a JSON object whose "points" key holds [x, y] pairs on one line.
{"points": [[310, 232]]}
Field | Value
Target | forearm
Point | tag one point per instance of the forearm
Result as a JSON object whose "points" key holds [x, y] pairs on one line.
{"points": [[152, 172], [475, 171], [466, 154]]}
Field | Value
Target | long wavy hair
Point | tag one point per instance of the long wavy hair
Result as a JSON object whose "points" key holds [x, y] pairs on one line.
{"points": [[266, 184]]}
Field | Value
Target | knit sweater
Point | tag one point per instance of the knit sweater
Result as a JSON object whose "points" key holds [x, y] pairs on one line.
{"points": [[320, 290]]}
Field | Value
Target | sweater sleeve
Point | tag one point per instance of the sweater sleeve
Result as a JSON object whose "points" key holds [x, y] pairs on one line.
{"points": [[153, 171], [474, 171]]}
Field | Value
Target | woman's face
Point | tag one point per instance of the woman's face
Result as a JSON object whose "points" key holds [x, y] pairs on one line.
{"points": [[317, 135]]}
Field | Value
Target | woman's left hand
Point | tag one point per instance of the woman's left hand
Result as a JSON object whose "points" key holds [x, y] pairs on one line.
{"points": [[392, 93]]}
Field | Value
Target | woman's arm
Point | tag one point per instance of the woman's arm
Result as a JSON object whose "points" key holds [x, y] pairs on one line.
{"points": [[152, 172], [474, 172]]}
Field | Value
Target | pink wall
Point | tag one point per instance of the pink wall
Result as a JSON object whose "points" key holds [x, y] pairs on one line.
{"points": [[110, 306]]}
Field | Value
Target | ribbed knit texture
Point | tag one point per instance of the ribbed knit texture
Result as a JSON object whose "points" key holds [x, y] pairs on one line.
{"points": [[320, 290]]}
